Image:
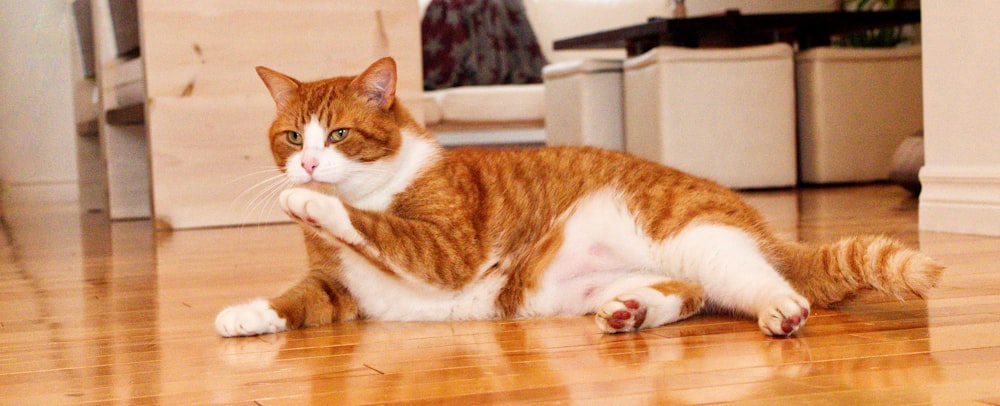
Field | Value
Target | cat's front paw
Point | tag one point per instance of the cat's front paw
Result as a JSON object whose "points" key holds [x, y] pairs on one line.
{"points": [[305, 206], [323, 212], [249, 319], [784, 316]]}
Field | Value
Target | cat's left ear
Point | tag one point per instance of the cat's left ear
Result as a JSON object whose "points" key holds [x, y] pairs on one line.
{"points": [[378, 82]]}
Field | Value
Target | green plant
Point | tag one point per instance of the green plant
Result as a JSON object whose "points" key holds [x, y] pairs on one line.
{"points": [[877, 38]]}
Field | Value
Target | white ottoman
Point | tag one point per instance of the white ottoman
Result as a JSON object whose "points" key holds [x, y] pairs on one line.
{"points": [[583, 103], [725, 114], [856, 105]]}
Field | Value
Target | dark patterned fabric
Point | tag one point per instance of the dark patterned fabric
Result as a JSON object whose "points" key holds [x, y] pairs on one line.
{"points": [[479, 42]]}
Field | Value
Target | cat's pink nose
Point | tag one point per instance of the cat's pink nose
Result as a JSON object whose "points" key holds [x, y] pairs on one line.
{"points": [[310, 164]]}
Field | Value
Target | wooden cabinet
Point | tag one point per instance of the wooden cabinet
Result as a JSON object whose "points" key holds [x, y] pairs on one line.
{"points": [[199, 156], [114, 166]]}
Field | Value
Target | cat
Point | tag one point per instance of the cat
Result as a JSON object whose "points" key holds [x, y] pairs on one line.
{"points": [[398, 228]]}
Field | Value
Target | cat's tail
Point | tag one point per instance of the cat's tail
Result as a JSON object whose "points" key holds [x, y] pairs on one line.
{"points": [[826, 274]]}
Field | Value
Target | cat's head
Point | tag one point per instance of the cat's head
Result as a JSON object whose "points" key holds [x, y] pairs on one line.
{"points": [[343, 133]]}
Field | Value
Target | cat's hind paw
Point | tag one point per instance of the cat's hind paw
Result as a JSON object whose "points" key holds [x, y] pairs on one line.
{"points": [[248, 319], [784, 316], [621, 315], [650, 306]]}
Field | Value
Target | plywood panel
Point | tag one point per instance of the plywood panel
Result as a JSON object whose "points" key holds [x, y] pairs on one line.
{"points": [[207, 110], [124, 148], [209, 153]]}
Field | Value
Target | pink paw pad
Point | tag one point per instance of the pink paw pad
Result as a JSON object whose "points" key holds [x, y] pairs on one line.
{"points": [[308, 220], [790, 324], [628, 319]]}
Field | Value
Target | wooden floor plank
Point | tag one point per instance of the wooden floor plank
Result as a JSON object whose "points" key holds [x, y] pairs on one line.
{"points": [[98, 312]]}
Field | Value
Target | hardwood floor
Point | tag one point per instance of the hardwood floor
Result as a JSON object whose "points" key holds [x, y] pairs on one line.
{"points": [[94, 312]]}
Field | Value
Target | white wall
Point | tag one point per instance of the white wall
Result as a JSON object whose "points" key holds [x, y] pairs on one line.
{"points": [[37, 141], [961, 57]]}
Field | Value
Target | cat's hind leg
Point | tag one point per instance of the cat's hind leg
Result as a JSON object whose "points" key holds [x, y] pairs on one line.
{"points": [[736, 276], [649, 305]]}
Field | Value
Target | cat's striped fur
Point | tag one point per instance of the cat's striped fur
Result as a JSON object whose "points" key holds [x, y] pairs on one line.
{"points": [[398, 228]]}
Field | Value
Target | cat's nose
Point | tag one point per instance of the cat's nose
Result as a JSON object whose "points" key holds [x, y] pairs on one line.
{"points": [[309, 164]]}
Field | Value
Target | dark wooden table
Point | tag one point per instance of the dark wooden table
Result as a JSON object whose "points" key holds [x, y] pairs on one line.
{"points": [[733, 28]]}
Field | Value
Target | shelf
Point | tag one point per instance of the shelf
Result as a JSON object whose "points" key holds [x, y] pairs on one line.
{"points": [[125, 21], [87, 129], [85, 34], [134, 114]]}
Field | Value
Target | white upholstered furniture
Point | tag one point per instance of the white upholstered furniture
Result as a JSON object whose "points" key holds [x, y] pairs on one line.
{"points": [[470, 116], [584, 103], [725, 114], [855, 107], [515, 114]]}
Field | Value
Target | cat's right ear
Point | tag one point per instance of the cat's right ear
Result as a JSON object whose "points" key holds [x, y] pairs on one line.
{"points": [[378, 82], [283, 89]]}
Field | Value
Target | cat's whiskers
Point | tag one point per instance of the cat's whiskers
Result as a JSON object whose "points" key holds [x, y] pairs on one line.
{"points": [[264, 196], [267, 198], [277, 177], [255, 173]]}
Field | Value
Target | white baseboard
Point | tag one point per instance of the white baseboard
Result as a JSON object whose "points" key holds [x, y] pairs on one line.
{"points": [[960, 199]]}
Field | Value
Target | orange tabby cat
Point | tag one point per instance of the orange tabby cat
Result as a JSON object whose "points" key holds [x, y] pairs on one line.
{"points": [[398, 228]]}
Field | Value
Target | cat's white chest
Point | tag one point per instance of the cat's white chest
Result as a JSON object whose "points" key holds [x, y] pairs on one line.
{"points": [[382, 296]]}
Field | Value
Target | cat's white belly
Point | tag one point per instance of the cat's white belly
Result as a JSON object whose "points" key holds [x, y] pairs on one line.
{"points": [[605, 253], [603, 245], [385, 297]]}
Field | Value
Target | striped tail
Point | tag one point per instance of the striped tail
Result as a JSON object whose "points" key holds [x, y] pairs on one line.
{"points": [[829, 273]]}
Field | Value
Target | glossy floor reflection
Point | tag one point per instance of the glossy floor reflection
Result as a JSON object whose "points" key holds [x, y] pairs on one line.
{"points": [[98, 312]]}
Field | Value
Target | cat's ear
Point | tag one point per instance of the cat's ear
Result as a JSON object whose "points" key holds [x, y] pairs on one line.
{"points": [[378, 82], [283, 89]]}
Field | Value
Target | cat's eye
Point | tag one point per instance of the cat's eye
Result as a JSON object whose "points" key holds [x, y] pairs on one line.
{"points": [[337, 135], [293, 137]]}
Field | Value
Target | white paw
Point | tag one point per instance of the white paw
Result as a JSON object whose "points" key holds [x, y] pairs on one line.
{"points": [[248, 319], [320, 211], [784, 315], [303, 205], [644, 308], [623, 314]]}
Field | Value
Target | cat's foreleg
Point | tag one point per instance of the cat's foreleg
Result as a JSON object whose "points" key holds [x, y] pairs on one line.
{"points": [[316, 300], [638, 305], [444, 253], [325, 213], [249, 319]]}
